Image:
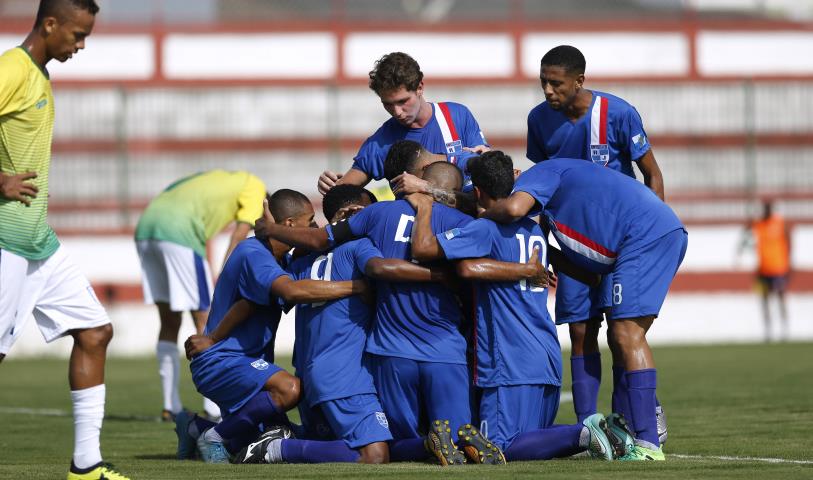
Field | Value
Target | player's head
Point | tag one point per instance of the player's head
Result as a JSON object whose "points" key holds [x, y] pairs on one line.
{"points": [[406, 156], [291, 208], [345, 195], [444, 175], [398, 81], [64, 24], [492, 174], [561, 74]]}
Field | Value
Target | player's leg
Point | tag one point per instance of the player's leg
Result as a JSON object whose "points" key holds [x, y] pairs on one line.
{"points": [[445, 390], [577, 306], [641, 280], [781, 286], [766, 285]]}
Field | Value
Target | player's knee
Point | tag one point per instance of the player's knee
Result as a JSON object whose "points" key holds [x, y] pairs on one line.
{"points": [[375, 453], [625, 339], [96, 338], [286, 391]]}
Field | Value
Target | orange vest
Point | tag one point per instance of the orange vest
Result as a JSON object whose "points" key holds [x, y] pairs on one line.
{"points": [[773, 250]]}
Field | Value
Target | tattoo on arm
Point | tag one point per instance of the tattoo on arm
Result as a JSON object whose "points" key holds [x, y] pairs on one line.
{"points": [[445, 197]]}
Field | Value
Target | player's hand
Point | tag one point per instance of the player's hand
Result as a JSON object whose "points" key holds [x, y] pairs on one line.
{"points": [[346, 212], [407, 183], [418, 200], [260, 229], [553, 280], [327, 180], [15, 187], [517, 173], [197, 344], [479, 149], [540, 276]]}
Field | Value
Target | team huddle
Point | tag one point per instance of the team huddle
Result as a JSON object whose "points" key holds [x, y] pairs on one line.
{"points": [[422, 330]]}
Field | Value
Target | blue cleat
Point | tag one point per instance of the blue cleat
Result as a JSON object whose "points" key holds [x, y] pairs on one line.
{"points": [[599, 446], [212, 452], [186, 442]]}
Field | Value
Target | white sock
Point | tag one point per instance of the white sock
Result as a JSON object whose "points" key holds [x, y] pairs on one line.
{"points": [[584, 437], [88, 412], [273, 454], [169, 368], [211, 409], [212, 436]]}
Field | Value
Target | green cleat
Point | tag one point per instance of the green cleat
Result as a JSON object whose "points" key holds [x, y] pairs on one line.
{"points": [[439, 443], [477, 447], [599, 446], [642, 454], [621, 438]]}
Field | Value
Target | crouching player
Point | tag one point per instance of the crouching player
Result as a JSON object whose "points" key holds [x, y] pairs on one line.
{"points": [[519, 399], [238, 372], [609, 223]]}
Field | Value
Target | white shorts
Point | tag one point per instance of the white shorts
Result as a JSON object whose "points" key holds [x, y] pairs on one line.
{"points": [[54, 289], [174, 274]]}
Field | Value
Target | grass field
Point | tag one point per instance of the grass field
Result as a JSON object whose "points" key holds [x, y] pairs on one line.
{"points": [[752, 404]]}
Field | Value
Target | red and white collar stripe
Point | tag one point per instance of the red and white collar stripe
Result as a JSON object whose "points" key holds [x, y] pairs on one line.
{"points": [[598, 121]]}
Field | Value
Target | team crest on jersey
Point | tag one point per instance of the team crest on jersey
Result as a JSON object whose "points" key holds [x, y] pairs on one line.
{"points": [[450, 234], [454, 147], [600, 154], [382, 419], [260, 364], [42, 103], [639, 140]]}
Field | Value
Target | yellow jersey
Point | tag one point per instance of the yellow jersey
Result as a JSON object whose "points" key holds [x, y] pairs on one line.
{"points": [[192, 210], [26, 129]]}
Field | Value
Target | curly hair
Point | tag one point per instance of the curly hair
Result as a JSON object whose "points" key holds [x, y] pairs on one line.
{"points": [[493, 173], [395, 70]]}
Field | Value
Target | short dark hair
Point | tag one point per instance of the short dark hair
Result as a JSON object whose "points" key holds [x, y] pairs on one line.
{"points": [[444, 175], [401, 157], [341, 196], [56, 8], [286, 203], [493, 173], [393, 71], [567, 57]]}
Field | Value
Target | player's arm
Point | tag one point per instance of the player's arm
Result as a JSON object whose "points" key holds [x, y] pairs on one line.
{"points": [[329, 179], [310, 291], [510, 209], [562, 264], [237, 314], [239, 234], [16, 187], [395, 270], [653, 178], [490, 270], [307, 238], [406, 184], [425, 247]]}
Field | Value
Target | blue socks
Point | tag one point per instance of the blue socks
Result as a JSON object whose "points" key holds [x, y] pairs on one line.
{"points": [[621, 400], [552, 442], [641, 386], [315, 451], [586, 375], [408, 450], [242, 427]]}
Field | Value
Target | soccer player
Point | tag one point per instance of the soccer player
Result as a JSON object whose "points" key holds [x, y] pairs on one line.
{"points": [[171, 238], [608, 223], [518, 399], [238, 372], [574, 122], [443, 128], [330, 342], [36, 273]]}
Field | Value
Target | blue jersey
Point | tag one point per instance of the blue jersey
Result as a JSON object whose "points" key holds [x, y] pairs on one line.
{"points": [[331, 336], [513, 325], [418, 321], [248, 274], [610, 133], [595, 212], [451, 128]]}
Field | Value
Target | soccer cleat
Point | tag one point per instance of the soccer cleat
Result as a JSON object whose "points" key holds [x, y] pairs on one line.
{"points": [[642, 454], [167, 416], [212, 452], [439, 443], [477, 447], [619, 434], [100, 471], [661, 416], [186, 442], [255, 451], [599, 445]]}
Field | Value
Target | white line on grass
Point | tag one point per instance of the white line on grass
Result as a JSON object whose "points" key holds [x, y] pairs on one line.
{"points": [[739, 459], [55, 412]]}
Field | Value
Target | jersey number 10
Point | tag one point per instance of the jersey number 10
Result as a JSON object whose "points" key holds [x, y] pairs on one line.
{"points": [[526, 249]]}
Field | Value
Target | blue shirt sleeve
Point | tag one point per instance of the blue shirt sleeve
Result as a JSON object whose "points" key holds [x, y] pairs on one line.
{"points": [[371, 155], [470, 134], [633, 134], [470, 241], [535, 150], [256, 276], [539, 182], [365, 251]]}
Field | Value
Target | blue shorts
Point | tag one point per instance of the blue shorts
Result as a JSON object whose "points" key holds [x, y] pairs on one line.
{"points": [[641, 278], [359, 420], [507, 411], [230, 379], [774, 283], [414, 393], [576, 302]]}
